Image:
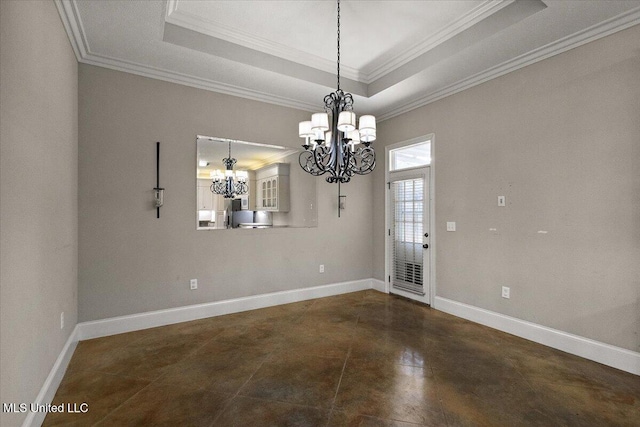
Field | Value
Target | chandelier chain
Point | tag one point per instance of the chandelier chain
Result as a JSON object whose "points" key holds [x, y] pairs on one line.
{"points": [[338, 44]]}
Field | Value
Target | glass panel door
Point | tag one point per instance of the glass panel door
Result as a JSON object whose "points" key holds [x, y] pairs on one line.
{"points": [[408, 207]]}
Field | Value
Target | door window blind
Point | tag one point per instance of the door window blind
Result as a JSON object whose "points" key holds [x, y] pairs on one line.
{"points": [[407, 231]]}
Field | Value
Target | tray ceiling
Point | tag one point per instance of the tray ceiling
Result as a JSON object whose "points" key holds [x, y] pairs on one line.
{"points": [[395, 55]]}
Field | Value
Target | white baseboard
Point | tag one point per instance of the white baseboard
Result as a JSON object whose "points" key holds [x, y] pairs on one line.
{"points": [[134, 322], [378, 285], [606, 354], [616, 357], [152, 319], [51, 384]]}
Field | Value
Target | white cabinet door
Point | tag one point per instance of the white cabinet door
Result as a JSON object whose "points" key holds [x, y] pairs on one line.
{"points": [[261, 194], [205, 196], [273, 188], [274, 193]]}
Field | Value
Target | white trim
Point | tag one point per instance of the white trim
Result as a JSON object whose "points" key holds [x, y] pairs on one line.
{"points": [[606, 354], [222, 31], [197, 82], [379, 285], [73, 26], [172, 6], [72, 23], [603, 29], [51, 384], [617, 357], [152, 319], [366, 75], [466, 21], [68, 11], [432, 222], [432, 213]]}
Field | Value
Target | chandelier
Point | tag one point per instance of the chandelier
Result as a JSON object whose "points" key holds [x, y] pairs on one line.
{"points": [[330, 143], [230, 184]]}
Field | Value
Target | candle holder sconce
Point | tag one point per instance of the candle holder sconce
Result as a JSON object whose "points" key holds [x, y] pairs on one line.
{"points": [[158, 192]]}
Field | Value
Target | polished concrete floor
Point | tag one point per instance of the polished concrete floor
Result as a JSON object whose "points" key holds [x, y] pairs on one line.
{"points": [[360, 359]]}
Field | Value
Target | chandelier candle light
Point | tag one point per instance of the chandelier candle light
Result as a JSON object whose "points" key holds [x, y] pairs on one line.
{"points": [[330, 142], [229, 184]]}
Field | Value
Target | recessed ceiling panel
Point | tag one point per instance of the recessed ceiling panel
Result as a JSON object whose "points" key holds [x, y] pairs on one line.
{"points": [[305, 31], [395, 55]]}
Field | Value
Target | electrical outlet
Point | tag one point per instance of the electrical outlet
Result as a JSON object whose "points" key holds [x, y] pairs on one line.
{"points": [[194, 284], [506, 292], [451, 226], [62, 320], [321, 268], [502, 201]]}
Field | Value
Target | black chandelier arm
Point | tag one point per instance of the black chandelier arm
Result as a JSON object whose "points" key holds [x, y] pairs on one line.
{"points": [[347, 103], [218, 187], [338, 161], [241, 188], [330, 102], [322, 158], [343, 157], [328, 159], [364, 161], [228, 188], [338, 179], [308, 163], [338, 101]]}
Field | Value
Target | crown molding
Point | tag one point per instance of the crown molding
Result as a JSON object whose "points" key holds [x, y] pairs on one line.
{"points": [[222, 31], [75, 31], [72, 23], [487, 8], [196, 82], [603, 29]]}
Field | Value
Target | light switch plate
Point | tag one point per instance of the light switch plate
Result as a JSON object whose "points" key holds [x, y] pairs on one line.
{"points": [[451, 226], [193, 283], [502, 201]]}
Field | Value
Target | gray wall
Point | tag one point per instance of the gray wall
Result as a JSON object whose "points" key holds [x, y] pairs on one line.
{"points": [[561, 140], [38, 193], [131, 262]]}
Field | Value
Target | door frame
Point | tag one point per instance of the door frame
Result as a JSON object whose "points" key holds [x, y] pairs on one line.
{"points": [[432, 213]]}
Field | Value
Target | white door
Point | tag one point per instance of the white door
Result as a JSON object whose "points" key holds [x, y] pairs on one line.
{"points": [[409, 253], [409, 271]]}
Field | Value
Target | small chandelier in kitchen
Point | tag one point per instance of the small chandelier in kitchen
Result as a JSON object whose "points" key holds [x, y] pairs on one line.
{"points": [[335, 151], [230, 184]]}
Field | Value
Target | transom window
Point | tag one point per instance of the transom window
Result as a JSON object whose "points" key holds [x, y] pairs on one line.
{"points": [[411, 156]]}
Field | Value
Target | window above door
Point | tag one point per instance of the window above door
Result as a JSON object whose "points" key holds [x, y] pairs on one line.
{"points": [[410, 156]]}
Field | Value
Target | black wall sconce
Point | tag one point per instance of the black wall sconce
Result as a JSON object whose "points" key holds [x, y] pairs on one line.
{"points": [[158, 192]]}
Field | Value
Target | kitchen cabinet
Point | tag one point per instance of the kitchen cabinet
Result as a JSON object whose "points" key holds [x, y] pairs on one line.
{"points": [[205, 196], [272, 192]]}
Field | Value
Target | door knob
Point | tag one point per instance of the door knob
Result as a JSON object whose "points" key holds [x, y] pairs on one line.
{"points": [[425, 246]]}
